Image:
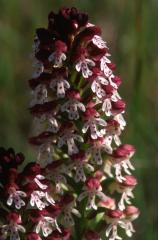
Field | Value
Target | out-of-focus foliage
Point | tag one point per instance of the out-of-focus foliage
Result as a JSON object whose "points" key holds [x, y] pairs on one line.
{"points": [[129, 27]]}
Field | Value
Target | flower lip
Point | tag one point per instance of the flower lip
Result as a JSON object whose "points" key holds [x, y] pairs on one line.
{"points": [[115, 214]]}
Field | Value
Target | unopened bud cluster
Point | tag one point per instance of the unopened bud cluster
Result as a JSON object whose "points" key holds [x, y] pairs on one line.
{"points": [[80, 186]]}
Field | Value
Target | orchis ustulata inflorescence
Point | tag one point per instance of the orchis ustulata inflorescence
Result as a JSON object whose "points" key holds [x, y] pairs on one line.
{"points": [[81, 185]]}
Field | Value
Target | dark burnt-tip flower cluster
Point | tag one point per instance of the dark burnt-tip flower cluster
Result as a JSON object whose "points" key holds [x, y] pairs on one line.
{"points": [[80, 186]]}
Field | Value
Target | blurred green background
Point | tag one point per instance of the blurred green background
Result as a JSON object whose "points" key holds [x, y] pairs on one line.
{"points": [[129, 27]]}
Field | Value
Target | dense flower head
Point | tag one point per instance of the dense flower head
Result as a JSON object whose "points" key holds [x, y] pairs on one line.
{"points": [[79, 119], [82, 168]]}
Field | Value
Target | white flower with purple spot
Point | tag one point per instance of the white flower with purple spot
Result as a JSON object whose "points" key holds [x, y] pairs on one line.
{"points": [[84, 67], [69, 140], [16, 198], [60, 85], [98, 41], [104, 67]]}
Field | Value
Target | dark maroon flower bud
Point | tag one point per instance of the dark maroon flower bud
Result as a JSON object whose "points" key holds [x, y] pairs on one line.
{"points": [[95, 52], [19, 158], [108, 89], [92, 183], [131, 210], [47, 107], [115, 214], [12, 175], [79, 54], [32, 170], [96, 72], [112, 66], [112, 126], [131, 213], [66, 126], [129, 181], [99, 174], [44, 36], [109, 203], [67, 22], [11, 187], [41, 138], [123, 152], [64, 235], [36, 215], [30, 187], [54, 165], [91, 235], [79, 157], [60, 72], [33, 236], [60, 46], [119, 106], [66, 199], [54, 210], [14, 218], [44, 78], [43, 54], [117, 80], [73, 94], [89, 113], [88, 33], [7, 158]]}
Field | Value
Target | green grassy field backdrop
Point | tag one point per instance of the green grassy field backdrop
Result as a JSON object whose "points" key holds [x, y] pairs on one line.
{"points": [[129, 27]]}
